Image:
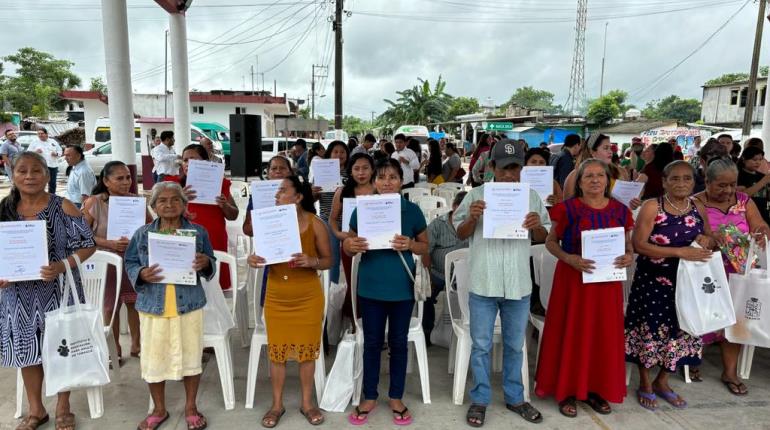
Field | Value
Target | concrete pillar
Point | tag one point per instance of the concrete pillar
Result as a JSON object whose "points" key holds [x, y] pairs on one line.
{"points": [[766, 124], [118, 68], [180, 80]]}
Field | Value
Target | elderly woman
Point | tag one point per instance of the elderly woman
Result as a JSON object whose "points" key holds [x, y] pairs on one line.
{"points": [[728, 210], [171, 316], [386, 294], [212, 217], [665, 229], [115, 180], [23, 305], [294, 304], [581, 356]]}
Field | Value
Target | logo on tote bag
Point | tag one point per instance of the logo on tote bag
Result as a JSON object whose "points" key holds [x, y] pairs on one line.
{"points": [[753, 309], [709, 286], [64, 350]]}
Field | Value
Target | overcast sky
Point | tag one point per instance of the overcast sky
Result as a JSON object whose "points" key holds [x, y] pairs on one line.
{"points": [[484, 49]]}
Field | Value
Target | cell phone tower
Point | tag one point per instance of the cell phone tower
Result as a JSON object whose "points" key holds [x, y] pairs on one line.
{"points": [[577, 93]]}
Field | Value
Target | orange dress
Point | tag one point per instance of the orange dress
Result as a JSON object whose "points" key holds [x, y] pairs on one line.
{"points": [[294, 306]]}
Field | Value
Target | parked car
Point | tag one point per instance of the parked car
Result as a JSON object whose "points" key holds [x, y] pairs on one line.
{"points": [[98, 157], [272, 146], [332, 135]]}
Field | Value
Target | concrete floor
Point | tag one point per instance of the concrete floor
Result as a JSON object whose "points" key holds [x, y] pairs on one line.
{"points": [[711, 406]]}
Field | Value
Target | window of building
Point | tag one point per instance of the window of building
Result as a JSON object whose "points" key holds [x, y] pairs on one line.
{"points": [[734, 97], [744, 97], [762, 95], [80, 104], [72, 107], [239, 110], [198, 109]]}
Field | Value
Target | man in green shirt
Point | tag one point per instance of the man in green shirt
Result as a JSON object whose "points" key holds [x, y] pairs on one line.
{"points": [[500, 282]]}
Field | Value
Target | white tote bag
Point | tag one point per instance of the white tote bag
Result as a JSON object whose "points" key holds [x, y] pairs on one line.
{"points": [[217, 318], [334, 320], [703, 302], [74, 346], [751, 297], [442, 328], [342, 378]]}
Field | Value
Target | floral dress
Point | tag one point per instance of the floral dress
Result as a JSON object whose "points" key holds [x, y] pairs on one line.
{"points": [[653, 336]]}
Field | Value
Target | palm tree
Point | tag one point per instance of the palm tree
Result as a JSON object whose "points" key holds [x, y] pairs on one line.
{"points": [[419, 104]]}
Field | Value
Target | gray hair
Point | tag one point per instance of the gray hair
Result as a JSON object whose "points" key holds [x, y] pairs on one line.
{"points": [[676, 163], [34, 156], [718, 166], [581, 169], [165, 186]]}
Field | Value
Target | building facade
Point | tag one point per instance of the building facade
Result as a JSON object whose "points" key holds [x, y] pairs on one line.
{"points": [[725, 104]]}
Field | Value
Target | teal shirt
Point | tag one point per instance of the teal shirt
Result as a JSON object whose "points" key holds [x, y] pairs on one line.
{"points": [[381, 274]]}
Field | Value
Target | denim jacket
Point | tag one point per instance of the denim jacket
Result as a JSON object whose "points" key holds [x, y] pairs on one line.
{"points": [[151, 298]]}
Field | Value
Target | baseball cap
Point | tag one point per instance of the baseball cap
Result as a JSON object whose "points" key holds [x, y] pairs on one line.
{"points": [[507, 152]]}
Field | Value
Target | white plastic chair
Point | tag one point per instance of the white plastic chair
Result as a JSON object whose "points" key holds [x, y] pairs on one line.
{"points": [[92, 278], [447, 193], [259, 339], [545, 265], [745, 360], [435, 213], [457, 271], [427, 185], [428, 203], [456, 186], [412, 194], [238, 293], [415, 335]]}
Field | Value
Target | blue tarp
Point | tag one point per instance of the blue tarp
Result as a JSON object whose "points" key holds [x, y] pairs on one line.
{"points": [[437, 135]]}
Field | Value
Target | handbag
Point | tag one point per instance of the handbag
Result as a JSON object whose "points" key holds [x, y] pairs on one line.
{"points": [[751, 297], [74, 350], [420, 279], [342, 377], [703, 301]]}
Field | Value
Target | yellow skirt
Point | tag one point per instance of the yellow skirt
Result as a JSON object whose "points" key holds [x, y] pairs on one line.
{"points": [[171, 347]]}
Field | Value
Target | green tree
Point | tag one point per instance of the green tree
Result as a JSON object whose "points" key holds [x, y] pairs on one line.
{"points": [[420, 104], [672, 107], [38, 81], [355, 126], [534, 99], [304, 113], [463, 106], [608, 107], [97, 84], [729, 78]]}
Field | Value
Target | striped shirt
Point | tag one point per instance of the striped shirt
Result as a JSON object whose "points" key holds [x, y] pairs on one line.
{"points": [[327, 198], [442, 239]]}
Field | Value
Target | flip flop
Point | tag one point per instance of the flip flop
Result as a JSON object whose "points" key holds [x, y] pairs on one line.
{"points": [[671, 397], [309, 416], [735, 387], [275, 415], [153, 422], [65, 421], [196, 422], [355, 417], [32, 423], [399, 419], [648, 396]]}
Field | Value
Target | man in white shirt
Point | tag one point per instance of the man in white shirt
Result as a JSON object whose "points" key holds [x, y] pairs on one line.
{"points": [[164, 157], [407, 158], [51, 151], [81, 181]]}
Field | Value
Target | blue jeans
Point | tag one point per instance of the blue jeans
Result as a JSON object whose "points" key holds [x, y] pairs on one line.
{"points": [[374, 314], [513, 317], [52, 172]]}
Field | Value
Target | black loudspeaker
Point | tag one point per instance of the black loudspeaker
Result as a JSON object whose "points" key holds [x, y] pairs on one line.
{"points": [[246, 146]]}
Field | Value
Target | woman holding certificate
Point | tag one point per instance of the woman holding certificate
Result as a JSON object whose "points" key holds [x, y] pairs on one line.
{"points": [[294, 303], [665, 229], [539, 157], [385, 289], [582, 353], [361, 171], [212, 217], [336, 150], [279, 167], [23, 304], [165, 265], [115, 181]]}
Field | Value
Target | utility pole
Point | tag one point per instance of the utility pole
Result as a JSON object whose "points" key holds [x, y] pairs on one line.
{"points": [[752, 90], [165, 81], [312, 88], [252, 79], [604, 55], [263, 81], [337, 27], [373, 112]]}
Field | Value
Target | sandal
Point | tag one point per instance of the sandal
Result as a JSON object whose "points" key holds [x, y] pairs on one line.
{"points": [[32, 423], [400, 419], [568, 407], [314, 416], [359, 417], [66, 421], [736, 388], [476, 415], [271, 418], [598, 404], [526, 411], [152, 422], [672, 398], [196, 422], [650, 397]]}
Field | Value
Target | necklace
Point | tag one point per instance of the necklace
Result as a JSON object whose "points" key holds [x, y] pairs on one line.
{"points": [[681, 211]]}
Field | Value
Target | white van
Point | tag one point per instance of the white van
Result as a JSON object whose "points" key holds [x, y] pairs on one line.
{"points": [[419, 132], [272, 146], [102, 134]]}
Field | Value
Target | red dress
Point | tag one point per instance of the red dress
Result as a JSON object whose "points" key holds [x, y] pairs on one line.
{"points": [[583, 341], [213, 220]]}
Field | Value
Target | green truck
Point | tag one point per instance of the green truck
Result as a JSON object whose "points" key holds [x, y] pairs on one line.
{"points": [[218, 132]]}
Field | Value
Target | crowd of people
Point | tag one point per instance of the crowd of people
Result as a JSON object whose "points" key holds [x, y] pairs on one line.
{"points": [[589, 333]]}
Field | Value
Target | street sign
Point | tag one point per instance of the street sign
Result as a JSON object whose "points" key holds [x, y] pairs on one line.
{"points": [[499, 126]]}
